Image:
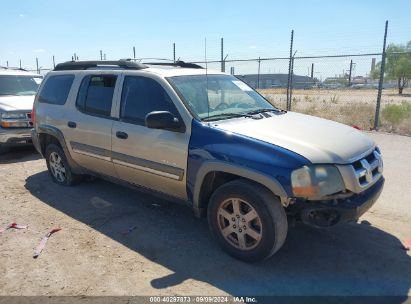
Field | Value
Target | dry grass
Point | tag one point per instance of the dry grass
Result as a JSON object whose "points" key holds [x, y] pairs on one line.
{"points": [[351, 107]]}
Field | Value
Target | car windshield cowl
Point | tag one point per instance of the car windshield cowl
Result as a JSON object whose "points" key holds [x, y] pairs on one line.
{"points": [[258, 111], [226, 116]]}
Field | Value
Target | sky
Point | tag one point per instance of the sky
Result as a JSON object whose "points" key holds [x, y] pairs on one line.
{"points": [[33, 29]]}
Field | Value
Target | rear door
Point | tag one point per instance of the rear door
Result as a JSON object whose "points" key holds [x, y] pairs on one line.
{"points": [[90, 121], [152, 158]]}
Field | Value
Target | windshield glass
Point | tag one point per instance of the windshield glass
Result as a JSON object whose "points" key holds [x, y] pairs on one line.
{"points": [[19, 85], [218, 96]]}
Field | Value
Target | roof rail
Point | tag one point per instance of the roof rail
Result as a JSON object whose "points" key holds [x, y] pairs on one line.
{"points": [[179, 63], [14, 69], [84, 65]]}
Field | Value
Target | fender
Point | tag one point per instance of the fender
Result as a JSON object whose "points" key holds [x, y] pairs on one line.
{"points": [[53, 131], [209, 166]]}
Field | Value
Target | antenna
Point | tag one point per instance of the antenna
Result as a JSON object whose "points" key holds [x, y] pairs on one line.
{"points": [[205, 58]]}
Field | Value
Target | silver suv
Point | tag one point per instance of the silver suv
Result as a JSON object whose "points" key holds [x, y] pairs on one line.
{"points": [[208, 140], [17, 90]]}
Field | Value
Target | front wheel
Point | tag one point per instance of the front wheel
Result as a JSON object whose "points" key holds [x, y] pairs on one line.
{"points": [[247, 220]]}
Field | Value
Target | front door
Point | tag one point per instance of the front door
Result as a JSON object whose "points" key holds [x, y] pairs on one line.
{"points": [[152, 158]]}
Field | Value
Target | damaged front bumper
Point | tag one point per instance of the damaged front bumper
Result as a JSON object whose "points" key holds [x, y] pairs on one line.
{"points": [[332, 212]]}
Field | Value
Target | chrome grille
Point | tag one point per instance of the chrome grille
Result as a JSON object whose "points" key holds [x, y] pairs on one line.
{"points": [[362, 173], [368, 169]]}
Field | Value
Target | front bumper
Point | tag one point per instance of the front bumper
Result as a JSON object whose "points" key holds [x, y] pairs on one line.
{"points": [[330, 213], [15, 136]]}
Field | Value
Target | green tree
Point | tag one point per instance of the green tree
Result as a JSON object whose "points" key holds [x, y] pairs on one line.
{"points": [[397, 65]]}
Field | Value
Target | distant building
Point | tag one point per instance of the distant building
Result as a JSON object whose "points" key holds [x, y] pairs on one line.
{"points": [[267, 81]]}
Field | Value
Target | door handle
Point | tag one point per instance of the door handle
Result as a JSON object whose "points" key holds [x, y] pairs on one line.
{"points": [[121, 135], [71, 124]]}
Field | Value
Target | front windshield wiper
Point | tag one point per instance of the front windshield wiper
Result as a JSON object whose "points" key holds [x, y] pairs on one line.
{"points": [[258, 111], [226, 115]]}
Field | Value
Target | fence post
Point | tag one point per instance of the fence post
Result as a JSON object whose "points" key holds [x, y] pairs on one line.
{"points": [[7, 64], [289, 72], [350, 73], [380, 83], [291, 81]]}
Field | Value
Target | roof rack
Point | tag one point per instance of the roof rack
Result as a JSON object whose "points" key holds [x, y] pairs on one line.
{"points": [[84, 65], [179, 63], [14, 69]]}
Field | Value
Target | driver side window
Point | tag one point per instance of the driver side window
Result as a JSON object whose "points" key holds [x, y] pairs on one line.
{"points": [[142, 95]]}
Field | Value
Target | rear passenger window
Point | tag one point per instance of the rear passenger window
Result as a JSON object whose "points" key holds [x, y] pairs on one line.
{"points": [[141, 96], [56, 89], [96, 94]]}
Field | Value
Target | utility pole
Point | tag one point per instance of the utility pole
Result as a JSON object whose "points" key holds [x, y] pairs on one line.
{"points": [[382, 70], [222, 55], [134, 52], [350, 73], [54, 62], [7, 64], [20, 63], [104, 56], [312, 71], [258, 75], [232, 70], [174, 52], [37, 66], [101, 55]]}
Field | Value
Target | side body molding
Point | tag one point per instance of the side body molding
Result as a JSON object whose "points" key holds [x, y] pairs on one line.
{"points": [[219, 166]]}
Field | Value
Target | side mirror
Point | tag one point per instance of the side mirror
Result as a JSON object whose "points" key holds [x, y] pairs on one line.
{"points": [[164, 120]]}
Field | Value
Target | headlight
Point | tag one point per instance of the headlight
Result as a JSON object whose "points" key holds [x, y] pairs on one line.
{"points": [[13, 115], [316, 181]]}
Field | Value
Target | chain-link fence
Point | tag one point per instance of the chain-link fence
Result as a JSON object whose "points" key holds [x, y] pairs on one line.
{"points": [[348, 88]]}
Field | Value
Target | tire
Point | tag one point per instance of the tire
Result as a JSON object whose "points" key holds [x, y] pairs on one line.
{"points": [[59, 167], [4, 149], [254, 233]]}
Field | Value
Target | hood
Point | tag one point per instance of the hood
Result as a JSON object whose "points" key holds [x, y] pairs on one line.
{"points": [[319, 140], [16, 103]]}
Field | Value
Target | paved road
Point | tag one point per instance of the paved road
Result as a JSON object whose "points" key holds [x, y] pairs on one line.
{"points": [[170, 252]]}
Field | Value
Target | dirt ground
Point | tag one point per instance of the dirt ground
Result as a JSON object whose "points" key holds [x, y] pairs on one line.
{"points": [[171, 253]]}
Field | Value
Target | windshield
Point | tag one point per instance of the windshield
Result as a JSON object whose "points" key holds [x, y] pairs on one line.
{"points": [[19, 85], [215, 97]]}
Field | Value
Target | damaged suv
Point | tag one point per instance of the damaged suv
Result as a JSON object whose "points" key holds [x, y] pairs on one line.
{"points": [[208, 140]]}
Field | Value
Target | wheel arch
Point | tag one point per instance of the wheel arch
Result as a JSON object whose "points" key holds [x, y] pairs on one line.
{"points": [[214, 173], [49, 134]]}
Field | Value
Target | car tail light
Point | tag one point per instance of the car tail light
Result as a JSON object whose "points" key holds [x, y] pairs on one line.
{"points": [[33, 115]]}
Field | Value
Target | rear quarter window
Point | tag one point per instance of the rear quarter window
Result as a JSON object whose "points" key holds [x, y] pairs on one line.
{"points": [[56, 89]]}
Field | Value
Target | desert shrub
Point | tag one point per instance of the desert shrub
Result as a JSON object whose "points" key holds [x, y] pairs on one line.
{"points": [[396, 113]]}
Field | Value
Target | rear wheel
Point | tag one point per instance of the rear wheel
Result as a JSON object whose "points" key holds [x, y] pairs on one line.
{"points": [[247, 220], [59, 167]]}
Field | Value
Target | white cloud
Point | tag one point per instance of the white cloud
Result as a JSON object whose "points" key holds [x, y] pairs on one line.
{"points": [[39, 50], [21, 15]]}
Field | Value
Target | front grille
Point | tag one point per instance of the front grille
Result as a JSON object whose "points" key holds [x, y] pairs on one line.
{"points": [[368, 169]]}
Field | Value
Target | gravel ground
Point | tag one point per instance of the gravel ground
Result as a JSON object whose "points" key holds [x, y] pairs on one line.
{"points": [[171, 253]]}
